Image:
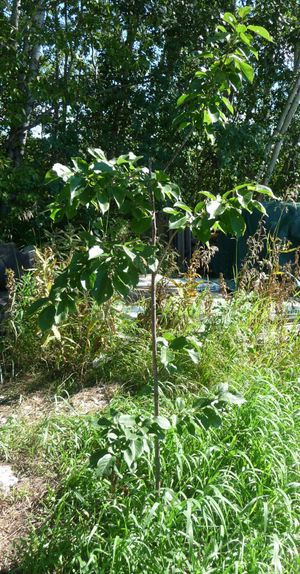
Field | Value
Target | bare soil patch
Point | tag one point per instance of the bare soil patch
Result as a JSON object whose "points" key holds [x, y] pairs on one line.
{"points": [[16, 510], [20, 507], [39, 404]]}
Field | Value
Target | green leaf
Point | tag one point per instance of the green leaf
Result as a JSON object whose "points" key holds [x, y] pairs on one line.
{"points": [[134, 451], [194, 356], [195, 342], [47, 318], [103, 202], [95, 456], [166, 356], [126, 420], [234, 222], [64, 308], [153, 264], [242, 12], [171, 190], [122, 159], [182, 99], [97, 153], [229, 18], [264, 190], [183, 206], [201, 228], [36, 306], [221, 28], [247, 70], [261, 31], [105, 464], [240, 28], [243, 198], [95, 252], [50, 176], [170, 210], [128, 457], [214, 208], [202, 73], [210, 418], [80, 165], [178, 343], [163, 341], [179, 223], [103, 167], [129, 276], [246, 38], [163, 422], [207, 194], [62, 171], [184, 125], [120, 286], [202, 402], [75, 182], [56, 213], [259, 206], [129, 253], [209, 117], [134, 158], [103, 289], [138, 445], [228, 105]]}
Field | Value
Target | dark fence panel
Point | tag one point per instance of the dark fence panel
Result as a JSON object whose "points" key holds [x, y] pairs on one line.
{"points": [[282, 220]]}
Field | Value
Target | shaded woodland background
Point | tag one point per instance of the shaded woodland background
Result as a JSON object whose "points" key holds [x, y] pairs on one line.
{"points": [[107, 73]]}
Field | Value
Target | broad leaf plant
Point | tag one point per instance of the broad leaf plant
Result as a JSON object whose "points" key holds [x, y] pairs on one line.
{"points": [[104, 267]]}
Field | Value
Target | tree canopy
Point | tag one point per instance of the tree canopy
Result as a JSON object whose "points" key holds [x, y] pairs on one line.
{"points": [[108, 74]]}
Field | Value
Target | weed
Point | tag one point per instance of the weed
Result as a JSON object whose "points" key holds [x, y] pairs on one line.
{"points": [[230, 495]]}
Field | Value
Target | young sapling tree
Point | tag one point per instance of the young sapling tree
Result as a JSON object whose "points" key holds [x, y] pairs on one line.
{"points": [[103, 266]]}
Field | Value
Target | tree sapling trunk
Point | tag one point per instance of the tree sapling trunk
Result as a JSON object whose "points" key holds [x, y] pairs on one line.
{"points": [[154, 353]]}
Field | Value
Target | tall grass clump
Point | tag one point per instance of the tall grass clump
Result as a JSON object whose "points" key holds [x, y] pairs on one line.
{"points": [[83, 349], [230, 495]]}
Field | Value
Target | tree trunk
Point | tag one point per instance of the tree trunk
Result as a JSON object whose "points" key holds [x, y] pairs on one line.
{"points": [[56, 104], [19, 131], [157, 470], [15, 15], [285, 120]]}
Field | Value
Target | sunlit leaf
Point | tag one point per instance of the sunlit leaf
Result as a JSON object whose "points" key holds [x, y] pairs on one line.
{"points": [[179, 223], [129, 253], [105, 464], [163, 422], [247, 71], [95, 251], [261, 31], [62, 171]]}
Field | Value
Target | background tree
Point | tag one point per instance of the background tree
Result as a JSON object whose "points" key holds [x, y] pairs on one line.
{"points": [[108, 74]]}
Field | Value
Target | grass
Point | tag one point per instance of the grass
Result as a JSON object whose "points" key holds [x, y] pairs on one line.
{"points": [[230, 500]]}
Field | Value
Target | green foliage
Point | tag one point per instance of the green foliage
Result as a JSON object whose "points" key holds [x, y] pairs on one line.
{"points": [[224, 67], [103, 266], [130, 437], [135, 60], [71, 352], [230, 499], [23, 201]]}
